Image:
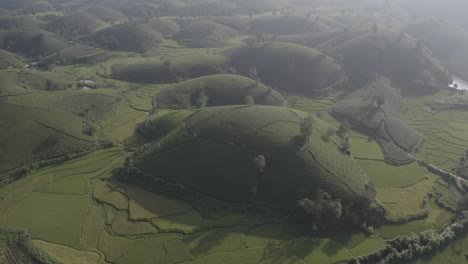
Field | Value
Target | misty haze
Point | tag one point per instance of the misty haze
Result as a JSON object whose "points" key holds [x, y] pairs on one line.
{"points": [[233, 131]]}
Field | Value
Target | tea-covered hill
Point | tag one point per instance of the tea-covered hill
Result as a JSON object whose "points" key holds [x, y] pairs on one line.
{"points": [[227, 139]]}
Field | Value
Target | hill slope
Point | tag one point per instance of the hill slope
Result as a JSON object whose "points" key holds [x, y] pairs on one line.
{"points": [[214, 149], [288, 66], [127, 37], [205, 34], [191, 66], [220, 89]]}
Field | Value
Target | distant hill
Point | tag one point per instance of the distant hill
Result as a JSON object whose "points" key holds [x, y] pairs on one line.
{"points": [[131, 36], [204, 34], [167, 71], [165, 26], [84, 21], [286, 25], [31, 42], [220, 89], [12, 22], [287, 66], [390, 53], [446, 40]]}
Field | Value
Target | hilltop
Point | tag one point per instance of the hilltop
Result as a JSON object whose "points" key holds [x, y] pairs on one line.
{"points": [[216, 90], [288, 66], [217, 147], [198, 34], [129, 36]]}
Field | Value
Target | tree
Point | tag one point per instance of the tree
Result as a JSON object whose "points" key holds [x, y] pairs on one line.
{"points": [[249, 100], [306, 131], [329, 133], [344, 129], [259, 163], [321, 210], [202, 99]]}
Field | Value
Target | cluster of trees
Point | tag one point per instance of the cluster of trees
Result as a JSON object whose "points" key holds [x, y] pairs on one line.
{"points": [[406, 248], [320, 211]]}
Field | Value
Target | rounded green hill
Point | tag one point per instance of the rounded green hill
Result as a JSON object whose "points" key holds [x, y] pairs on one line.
{"points": [[389, 53], [191, 66], [204, 34], [220, 89], [288, 66], [286, 25], [213, 152], [8, 59], [128, 37]]}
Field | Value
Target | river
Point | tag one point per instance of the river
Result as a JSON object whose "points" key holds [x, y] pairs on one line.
{"points": [[460, 83]]}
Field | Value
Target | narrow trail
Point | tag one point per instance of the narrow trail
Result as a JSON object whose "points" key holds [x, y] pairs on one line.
{"points": [[458, 179]]}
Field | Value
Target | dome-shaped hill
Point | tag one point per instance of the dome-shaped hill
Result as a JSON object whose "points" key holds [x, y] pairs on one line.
{"points": [[443, 38], [8, 59], [84, 21], [142, 10], [220, 89], [104, 13], [389, 53], [205, 34], [286, 25], [311, 40], [210, 8], [446, 40], [75, 54], [240, 24], [184, 67], [165, 26], [288, 66], [40, 6], [130, 36], [75, 24], [213, 152], [31, 42], [11, 22], [258, 6]]}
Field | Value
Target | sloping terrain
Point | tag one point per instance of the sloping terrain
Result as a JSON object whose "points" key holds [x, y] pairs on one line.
{"points": [[288, 66], [134, 37], [207, 34], [219, 89], [217, 146], [392, 54], [377, 109], [31, 42], [8, 59], [191, 66], [446, 40], [286, 25]]}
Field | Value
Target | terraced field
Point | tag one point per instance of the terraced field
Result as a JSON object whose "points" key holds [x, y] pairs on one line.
{"points": [[445, 132], [102, 219]]}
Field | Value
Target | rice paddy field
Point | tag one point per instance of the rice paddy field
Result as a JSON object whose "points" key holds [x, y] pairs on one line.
{"points": [[105, 221]]}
